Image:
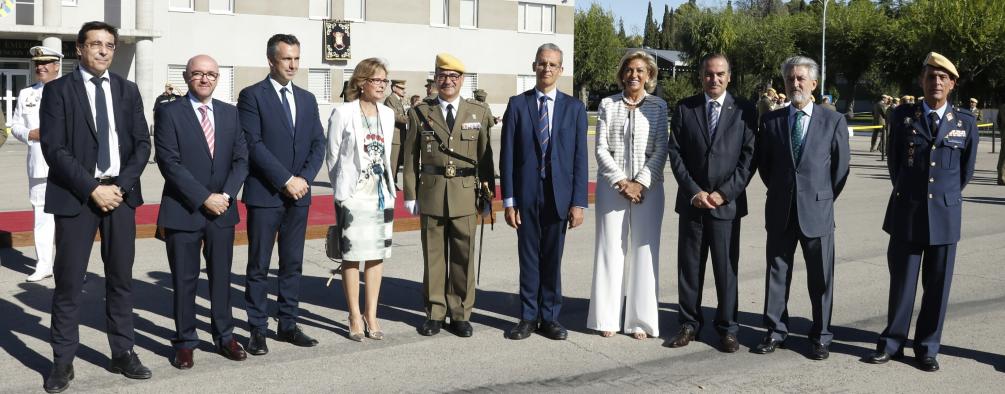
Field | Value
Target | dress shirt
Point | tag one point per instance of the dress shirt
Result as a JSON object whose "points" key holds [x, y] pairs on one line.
{"points": [[551, 105], [808, 111], [941, 111], [443, 106], [113, 135], [198, 116], [289, 96]]}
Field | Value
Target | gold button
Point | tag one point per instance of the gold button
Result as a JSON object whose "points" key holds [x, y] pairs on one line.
{"points": [[929, 195], [451, 149], [451, 138], [933, 164], [450, 162], [931, 180]]}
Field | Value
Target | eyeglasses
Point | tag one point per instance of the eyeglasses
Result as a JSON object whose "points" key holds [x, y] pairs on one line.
{"points": [[452, 77], [200, 75], [94, 45], [545, 66], [377, 81]]}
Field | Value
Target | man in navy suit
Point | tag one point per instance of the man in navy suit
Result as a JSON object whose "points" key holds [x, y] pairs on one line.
{"points": [[711, 152], [543, 163], [803, 158], [203, 157], [94, 138], [286, 146], [933, 148]]}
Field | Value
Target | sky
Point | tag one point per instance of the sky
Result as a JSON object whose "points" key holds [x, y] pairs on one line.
{"points": [[634, 11]]}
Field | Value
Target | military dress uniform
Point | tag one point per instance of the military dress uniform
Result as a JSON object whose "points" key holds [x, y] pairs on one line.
{"points": [[443, 168], [931, 159], [397, 104]]}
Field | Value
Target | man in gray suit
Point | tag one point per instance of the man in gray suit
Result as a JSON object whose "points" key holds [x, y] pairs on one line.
{"points": [[802, 156]]}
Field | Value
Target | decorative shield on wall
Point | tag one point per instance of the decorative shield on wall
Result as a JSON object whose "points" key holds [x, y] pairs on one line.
{"points": [[336, 40]]}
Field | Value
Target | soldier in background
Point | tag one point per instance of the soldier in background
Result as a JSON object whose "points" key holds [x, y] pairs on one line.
{"points": [[396, 100], [976, 111], [414, 100], [431, 90], [766, 103], [166, 97], [481, 95], [826, 103], [879, 118]]}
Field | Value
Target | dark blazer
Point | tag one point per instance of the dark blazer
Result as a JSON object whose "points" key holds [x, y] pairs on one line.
{"points": [[814, 182], [190, 174], [723, 163], [926, 202], [70, 142], [272, 158], [520, 154]]}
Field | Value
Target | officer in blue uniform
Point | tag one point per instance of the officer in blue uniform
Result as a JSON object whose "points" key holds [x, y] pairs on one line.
{"points": [[933, 147]]}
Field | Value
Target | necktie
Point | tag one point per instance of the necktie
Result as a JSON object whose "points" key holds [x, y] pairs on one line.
{"points": [[101, 123], [797, 136], [713, 117], [450, 117], [286, 106], [207, 130], [543, 133], [933, 124]]}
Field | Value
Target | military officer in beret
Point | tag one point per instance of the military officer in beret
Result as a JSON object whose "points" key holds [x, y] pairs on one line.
{"points": [[396, 100], [447, 159], [933, 147], [974, 109]]}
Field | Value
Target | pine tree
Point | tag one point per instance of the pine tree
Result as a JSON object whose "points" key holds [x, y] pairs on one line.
{"points": [[621, 30], [650, 37], [667, 29]]}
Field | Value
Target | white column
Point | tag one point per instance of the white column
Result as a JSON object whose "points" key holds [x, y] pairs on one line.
{"points": [[144, 55], [52, 17]]}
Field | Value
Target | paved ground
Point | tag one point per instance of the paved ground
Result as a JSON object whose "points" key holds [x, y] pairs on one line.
{"points": [[972, 358]]}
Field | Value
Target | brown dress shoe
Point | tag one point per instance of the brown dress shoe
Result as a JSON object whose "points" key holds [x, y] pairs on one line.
{"points": [[233, 350], [183, 359], [683, 337], [729, 344]]}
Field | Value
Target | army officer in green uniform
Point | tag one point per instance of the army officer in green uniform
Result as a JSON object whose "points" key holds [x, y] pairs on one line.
{"points": [[448, 159]]}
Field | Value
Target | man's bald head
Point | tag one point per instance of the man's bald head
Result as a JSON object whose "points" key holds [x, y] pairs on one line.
{"points": [[201, 75]]}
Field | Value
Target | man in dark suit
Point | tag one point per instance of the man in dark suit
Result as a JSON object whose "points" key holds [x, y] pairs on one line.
{"points": [[203, 157], [803, 157], [933, 149], [711, 153], [94, 138], [544, 170], [286, 146]]}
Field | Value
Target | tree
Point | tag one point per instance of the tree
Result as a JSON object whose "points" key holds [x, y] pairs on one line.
{"points": [[650, 36], [667, 29], [621, 30], [597, 50]]}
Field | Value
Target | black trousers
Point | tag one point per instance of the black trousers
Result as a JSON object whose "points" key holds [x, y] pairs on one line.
{"points": [[699, 235], [74, 240], [267, 226], [217, 246], [541, 241]]}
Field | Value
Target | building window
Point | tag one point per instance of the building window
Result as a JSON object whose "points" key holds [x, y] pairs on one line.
{"points": [[469, 13], [536, 18], [176, 78], [70, 3], [221, 6], [525, 83], [319, 83], [181, 5], [320, 9], [469, 86], [67, 66], [355, 10], [438, 12], [224, 84], [24, 12]]}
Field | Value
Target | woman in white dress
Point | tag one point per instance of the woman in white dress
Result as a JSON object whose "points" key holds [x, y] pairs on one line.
{"points": [[631, 145], [360, 132]]}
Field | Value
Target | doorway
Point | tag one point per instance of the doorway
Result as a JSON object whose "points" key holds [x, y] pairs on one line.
{"points": [[11, 83]]}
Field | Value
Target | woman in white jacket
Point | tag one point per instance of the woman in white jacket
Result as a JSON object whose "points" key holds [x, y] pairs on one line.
{"points": [[360, 132]]}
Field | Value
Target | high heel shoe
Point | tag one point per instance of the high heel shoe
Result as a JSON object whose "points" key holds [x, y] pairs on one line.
{"points": [[355, 336], [375, 335]]}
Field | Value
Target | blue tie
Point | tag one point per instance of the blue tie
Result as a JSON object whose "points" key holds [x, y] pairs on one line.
{"points": [[286, 106], [543, 133], [797, 136], [101, 123]]}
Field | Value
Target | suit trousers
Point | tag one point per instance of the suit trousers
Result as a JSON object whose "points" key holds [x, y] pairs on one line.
{"points": [[217, 244], [74, 240], [699, 235], [45, 225], [819, 256], [267, 226], [935, 264], [541, 241], [1001, 162], [448, 281], [632, 230]]}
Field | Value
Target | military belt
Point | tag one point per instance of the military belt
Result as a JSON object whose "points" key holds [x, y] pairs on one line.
{"points": [[448, 171]]}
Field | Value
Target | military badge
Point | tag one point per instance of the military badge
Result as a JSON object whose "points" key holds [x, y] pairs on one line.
{"points": [[949, 116], [471, 125], [957, 133]]}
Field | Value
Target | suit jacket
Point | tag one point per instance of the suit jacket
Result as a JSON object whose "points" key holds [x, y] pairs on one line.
{"points": [[724, 164], [879, 113], [814, 182], [275, 152], [25, 119], [400, 117], [70, 142], [649, 141], [347, 150], [520, 152], [467, 145], [928, 174], [190, 173]]}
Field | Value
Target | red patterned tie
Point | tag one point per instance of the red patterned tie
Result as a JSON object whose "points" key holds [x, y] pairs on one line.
{"points": [[207, 129]]}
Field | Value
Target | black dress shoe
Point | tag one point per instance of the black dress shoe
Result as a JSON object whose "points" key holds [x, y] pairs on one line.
{"points": [[768, 345], [183, 359], [232, 350], [430, 327], [461, 328], [928, 364], [296, 337], [683, 337], [881, 357], [553, 330], [256, 343], [819, 352], [128, 364], [59, 378], [522, 330], [728, 343]]}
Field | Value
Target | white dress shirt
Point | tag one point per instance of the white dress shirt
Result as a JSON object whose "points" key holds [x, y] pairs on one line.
{"points": [[808, 111], [443, 106], [289, 96], [196, 104], [113, 135], [941, 111]]}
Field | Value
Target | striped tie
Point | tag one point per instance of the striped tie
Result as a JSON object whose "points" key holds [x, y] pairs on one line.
{"points": [[543, 133], [207, 130], [713, 117]]}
